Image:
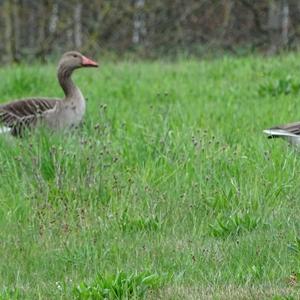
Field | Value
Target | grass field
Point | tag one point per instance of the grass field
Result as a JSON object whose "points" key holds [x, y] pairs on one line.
{"points": [[169, 191]]}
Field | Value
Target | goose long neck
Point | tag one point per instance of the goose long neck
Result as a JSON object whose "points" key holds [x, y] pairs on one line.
{"points": [[64, 77]]}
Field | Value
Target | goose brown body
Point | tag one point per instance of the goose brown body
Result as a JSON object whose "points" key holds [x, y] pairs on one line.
{"points": [[19, 115]]}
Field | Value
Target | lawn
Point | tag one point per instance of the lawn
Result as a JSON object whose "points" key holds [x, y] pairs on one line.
{"points": [[170, 190]]}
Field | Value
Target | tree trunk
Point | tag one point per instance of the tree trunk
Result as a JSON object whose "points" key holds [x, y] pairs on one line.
{"points": [[228, 6], [32, 28], [285, 22], [139, 28], [77, 25], [8, 31], [16, 30], [278, 25], [12, 30], [41, 35], [53, 19]]}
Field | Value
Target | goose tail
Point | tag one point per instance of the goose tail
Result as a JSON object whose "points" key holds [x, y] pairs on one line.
{"points": [[4, 130]]}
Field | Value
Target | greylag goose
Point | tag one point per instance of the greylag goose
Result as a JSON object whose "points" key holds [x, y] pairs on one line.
{"points": [[19, 115], [290, 132]]}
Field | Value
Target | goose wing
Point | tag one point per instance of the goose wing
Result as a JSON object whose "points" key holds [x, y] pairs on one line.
{"points": [[21, 114], [291, 129]]}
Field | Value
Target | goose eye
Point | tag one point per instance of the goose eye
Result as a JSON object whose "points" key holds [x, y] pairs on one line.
{"points": [[75, 55]]}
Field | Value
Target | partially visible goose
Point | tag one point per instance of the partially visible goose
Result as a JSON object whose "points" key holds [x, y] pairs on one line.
{"points": [[289, 132], [56, 114]]}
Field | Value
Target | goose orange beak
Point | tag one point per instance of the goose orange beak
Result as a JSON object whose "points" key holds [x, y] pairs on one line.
{"points": [[86, 62]]}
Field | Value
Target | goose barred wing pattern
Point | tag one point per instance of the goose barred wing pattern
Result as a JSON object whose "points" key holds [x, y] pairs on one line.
{"points": [[22, 114], [293, 128]]}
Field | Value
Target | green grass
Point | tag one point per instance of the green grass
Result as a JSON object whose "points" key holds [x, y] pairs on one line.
{"points": [[170, 179]]}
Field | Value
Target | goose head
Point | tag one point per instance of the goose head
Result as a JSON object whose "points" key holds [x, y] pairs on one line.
{"points": [[73, 60]]}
